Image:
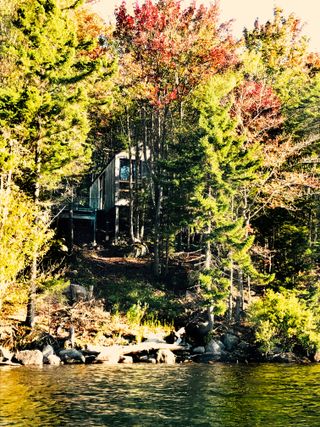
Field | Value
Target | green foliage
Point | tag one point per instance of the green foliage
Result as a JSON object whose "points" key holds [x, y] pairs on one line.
{"points": [[214, 290], [125, 293], [284, 320], [23, 227], [136, 313]]}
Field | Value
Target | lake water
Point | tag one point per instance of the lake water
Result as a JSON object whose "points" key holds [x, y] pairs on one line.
{"points": [[147, 395]]}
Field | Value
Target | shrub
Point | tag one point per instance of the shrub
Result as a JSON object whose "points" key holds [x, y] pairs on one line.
{"points": [[283, 319]]}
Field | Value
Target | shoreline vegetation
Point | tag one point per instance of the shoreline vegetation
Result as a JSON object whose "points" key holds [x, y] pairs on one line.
{"points": [[73, 325], [188, 159]]}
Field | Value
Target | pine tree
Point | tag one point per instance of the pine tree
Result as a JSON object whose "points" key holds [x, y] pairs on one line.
{"points": [[43, 101], [228, 165]]}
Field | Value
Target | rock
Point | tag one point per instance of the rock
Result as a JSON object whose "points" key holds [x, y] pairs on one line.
{"points": [[53, 359], [47, 351], [285, 357], [94, 349], [90, 358], [5, 354], [30, 357], [244, 346], [166, 356], [78, 293], [147, 359], [230, 341], [215, 347], [109, 355], [9, 363], [176, 337], [71, 356], [199, 350], [316, 356], [155, 338], [127, 360]]}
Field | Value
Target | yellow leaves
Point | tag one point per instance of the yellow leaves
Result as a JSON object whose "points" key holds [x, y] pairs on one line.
{"points": [[23, 227]]}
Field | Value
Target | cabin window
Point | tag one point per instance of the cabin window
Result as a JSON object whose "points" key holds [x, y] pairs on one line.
{"points": [[125, 169]]}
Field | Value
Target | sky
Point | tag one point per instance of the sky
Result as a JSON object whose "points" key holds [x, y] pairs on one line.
{"points": [[244, 13]]}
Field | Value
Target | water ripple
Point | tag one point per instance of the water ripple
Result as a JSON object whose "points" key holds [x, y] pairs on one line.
{"points": [[144, 395]]}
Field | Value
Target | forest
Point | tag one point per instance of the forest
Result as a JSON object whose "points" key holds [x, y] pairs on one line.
{"points": [[231, 192]]}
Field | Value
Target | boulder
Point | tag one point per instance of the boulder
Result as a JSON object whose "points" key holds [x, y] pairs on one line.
{"points": [[78, 293], [47, 351], [230, 341], [215, 347], [127, 360], [166, 356], [109, 355], [199, 350], [71, 356], [285, 357], [53, 359], [30, 357], [5, 354], [316, 356]]}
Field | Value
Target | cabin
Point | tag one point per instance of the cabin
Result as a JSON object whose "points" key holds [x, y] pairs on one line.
{"points": [[104, 215], [109, 192]]}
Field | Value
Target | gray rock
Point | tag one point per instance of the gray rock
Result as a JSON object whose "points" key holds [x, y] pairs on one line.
{"points": [[53, 359], [230, 341], [214, 347], [30, 357], [166, 356], [71, 356], [5, 354], [78, 293], [199, 350]]}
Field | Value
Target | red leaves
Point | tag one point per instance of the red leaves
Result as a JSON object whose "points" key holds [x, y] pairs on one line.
{"points": [[257, 108], [176, 48]]}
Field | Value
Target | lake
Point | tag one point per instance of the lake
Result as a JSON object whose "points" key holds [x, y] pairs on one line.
{"points": [[157, 395]]}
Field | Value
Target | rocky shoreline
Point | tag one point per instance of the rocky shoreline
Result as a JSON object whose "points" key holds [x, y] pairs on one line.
{"points": [[227, 348]]}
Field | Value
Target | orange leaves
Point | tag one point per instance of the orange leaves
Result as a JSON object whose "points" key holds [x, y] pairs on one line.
{"points": [[92, 29]]}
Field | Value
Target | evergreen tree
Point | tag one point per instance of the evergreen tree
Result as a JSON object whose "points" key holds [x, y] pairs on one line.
{"points": [[220, 166], [43, 101]]}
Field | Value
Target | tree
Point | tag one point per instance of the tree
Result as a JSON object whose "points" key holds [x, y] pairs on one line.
{"points": [[175, 49], [289, 177], [43, 101], [19, 217], [218, 163]]}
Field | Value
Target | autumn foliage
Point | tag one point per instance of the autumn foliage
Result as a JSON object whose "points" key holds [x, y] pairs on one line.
{"points": [[176, 48]]}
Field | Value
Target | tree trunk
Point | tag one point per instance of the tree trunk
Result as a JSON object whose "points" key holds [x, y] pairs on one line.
{"points": [[208, 254], [131, 207], [30, 318], [230, 308]]}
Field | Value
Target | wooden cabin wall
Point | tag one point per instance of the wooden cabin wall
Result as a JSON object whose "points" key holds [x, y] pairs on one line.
{"points": [[110, 185]]}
